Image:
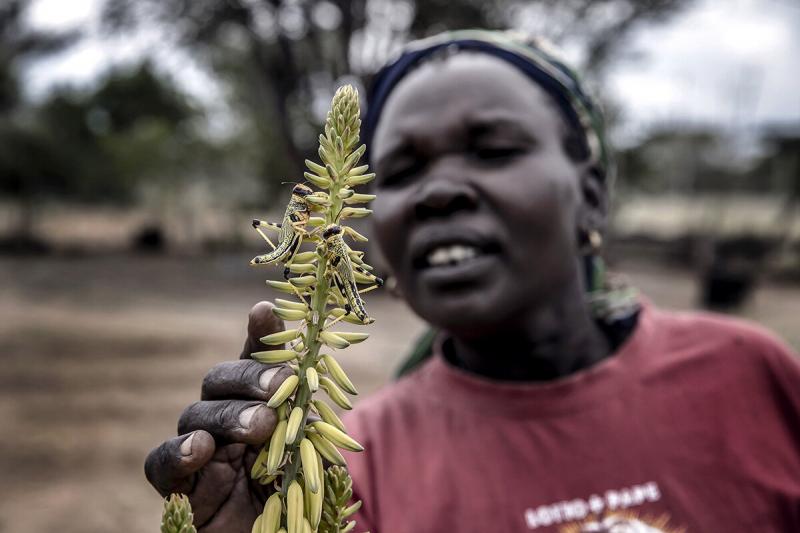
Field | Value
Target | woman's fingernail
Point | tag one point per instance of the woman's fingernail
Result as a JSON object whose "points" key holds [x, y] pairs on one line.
{"points": [[186, 445], [246, 416], [266, 377]]}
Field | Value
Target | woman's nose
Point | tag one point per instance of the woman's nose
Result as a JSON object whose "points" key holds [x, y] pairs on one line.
{"points": [[442, 197]]}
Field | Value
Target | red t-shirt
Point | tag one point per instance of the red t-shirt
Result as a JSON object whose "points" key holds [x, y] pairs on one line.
{"points": [[692, 426]]}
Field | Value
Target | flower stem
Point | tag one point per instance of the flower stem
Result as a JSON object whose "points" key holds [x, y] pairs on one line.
{"points": [[319, 301]]}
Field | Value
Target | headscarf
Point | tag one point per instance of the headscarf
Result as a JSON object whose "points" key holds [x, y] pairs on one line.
{"points": [[533, 57]]}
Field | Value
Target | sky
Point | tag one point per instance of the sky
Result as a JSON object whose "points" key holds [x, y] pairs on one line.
{"points": [[83, 62], [730, 63]]}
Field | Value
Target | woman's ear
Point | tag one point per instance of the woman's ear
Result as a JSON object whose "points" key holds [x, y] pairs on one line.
{"points": [[594, 208]]}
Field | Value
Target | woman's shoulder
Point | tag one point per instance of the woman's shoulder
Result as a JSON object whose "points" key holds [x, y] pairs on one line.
{"points": [[393, 399], [707, 328], [715, 341]]}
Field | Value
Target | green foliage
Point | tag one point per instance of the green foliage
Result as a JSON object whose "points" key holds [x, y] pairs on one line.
{"points": [[780, 167], [19, 43], [96, 146], [9, 88], [684, 161], [282, 59], [667, 160], [29, 164], [128, 98]]}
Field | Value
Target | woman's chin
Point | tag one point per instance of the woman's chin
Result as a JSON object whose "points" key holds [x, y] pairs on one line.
{"points": [[466, 311]]}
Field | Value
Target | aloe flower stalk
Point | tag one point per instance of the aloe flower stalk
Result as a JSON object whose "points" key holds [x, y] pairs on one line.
{"points": [[323, 285]]}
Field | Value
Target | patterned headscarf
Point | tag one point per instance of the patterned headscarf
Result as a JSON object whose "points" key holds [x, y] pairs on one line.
{"points": [[533, 57]]}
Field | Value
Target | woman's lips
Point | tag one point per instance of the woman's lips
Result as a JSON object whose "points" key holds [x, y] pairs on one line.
{"points": [[459, 275], [454, 258], [439, 249]]}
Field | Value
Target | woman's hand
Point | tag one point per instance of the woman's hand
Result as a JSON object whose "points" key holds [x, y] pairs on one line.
{"points": [[220, 436]]}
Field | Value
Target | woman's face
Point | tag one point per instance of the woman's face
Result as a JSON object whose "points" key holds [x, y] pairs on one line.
{"points": [[478, 204]]}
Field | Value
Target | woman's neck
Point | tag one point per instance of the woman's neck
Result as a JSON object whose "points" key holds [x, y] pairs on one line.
{"points": [[550, 342]]}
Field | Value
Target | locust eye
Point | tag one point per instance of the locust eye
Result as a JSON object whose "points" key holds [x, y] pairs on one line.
{"points": [[301, 190], [331, 230]]}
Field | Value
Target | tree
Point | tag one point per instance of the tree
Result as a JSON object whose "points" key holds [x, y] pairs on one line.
{"points": [[26, 168], [129, 129], [290, 54], [99, 145], [678, 160], [18, 44]]}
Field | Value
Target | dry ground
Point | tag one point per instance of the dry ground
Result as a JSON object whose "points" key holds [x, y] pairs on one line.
{"points": [[100, 355]]}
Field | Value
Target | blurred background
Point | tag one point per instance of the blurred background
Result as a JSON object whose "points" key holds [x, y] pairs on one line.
{"points": [[139, 137]]}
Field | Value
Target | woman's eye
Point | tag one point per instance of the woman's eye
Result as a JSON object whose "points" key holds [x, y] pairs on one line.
{"points": [[496, 153], [399, 174]]}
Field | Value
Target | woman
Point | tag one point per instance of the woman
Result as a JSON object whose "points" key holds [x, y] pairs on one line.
{"points": [[540, 408]]}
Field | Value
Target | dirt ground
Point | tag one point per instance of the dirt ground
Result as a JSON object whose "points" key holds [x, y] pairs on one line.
{"points": [[100, 355]]}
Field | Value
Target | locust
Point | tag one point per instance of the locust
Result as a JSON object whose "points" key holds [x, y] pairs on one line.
{"points": [[291, 230], [342, 271]]}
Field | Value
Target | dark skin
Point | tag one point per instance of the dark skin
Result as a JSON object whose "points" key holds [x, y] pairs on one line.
{"points": [[220, 435], [469, 152], [486, 165]]}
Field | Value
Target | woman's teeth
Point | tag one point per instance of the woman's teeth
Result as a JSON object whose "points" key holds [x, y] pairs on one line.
{"points": [[451, 255]]}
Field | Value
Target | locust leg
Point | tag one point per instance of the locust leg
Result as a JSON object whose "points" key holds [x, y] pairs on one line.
{"points": [[378, 281], [258, 224], [293, 248], [265, 224], [265, 237], [335, 320], [286, 274], [339, 283], [300, 296], [260, 260], [370, 288], [300, 227], [334, 298]]}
